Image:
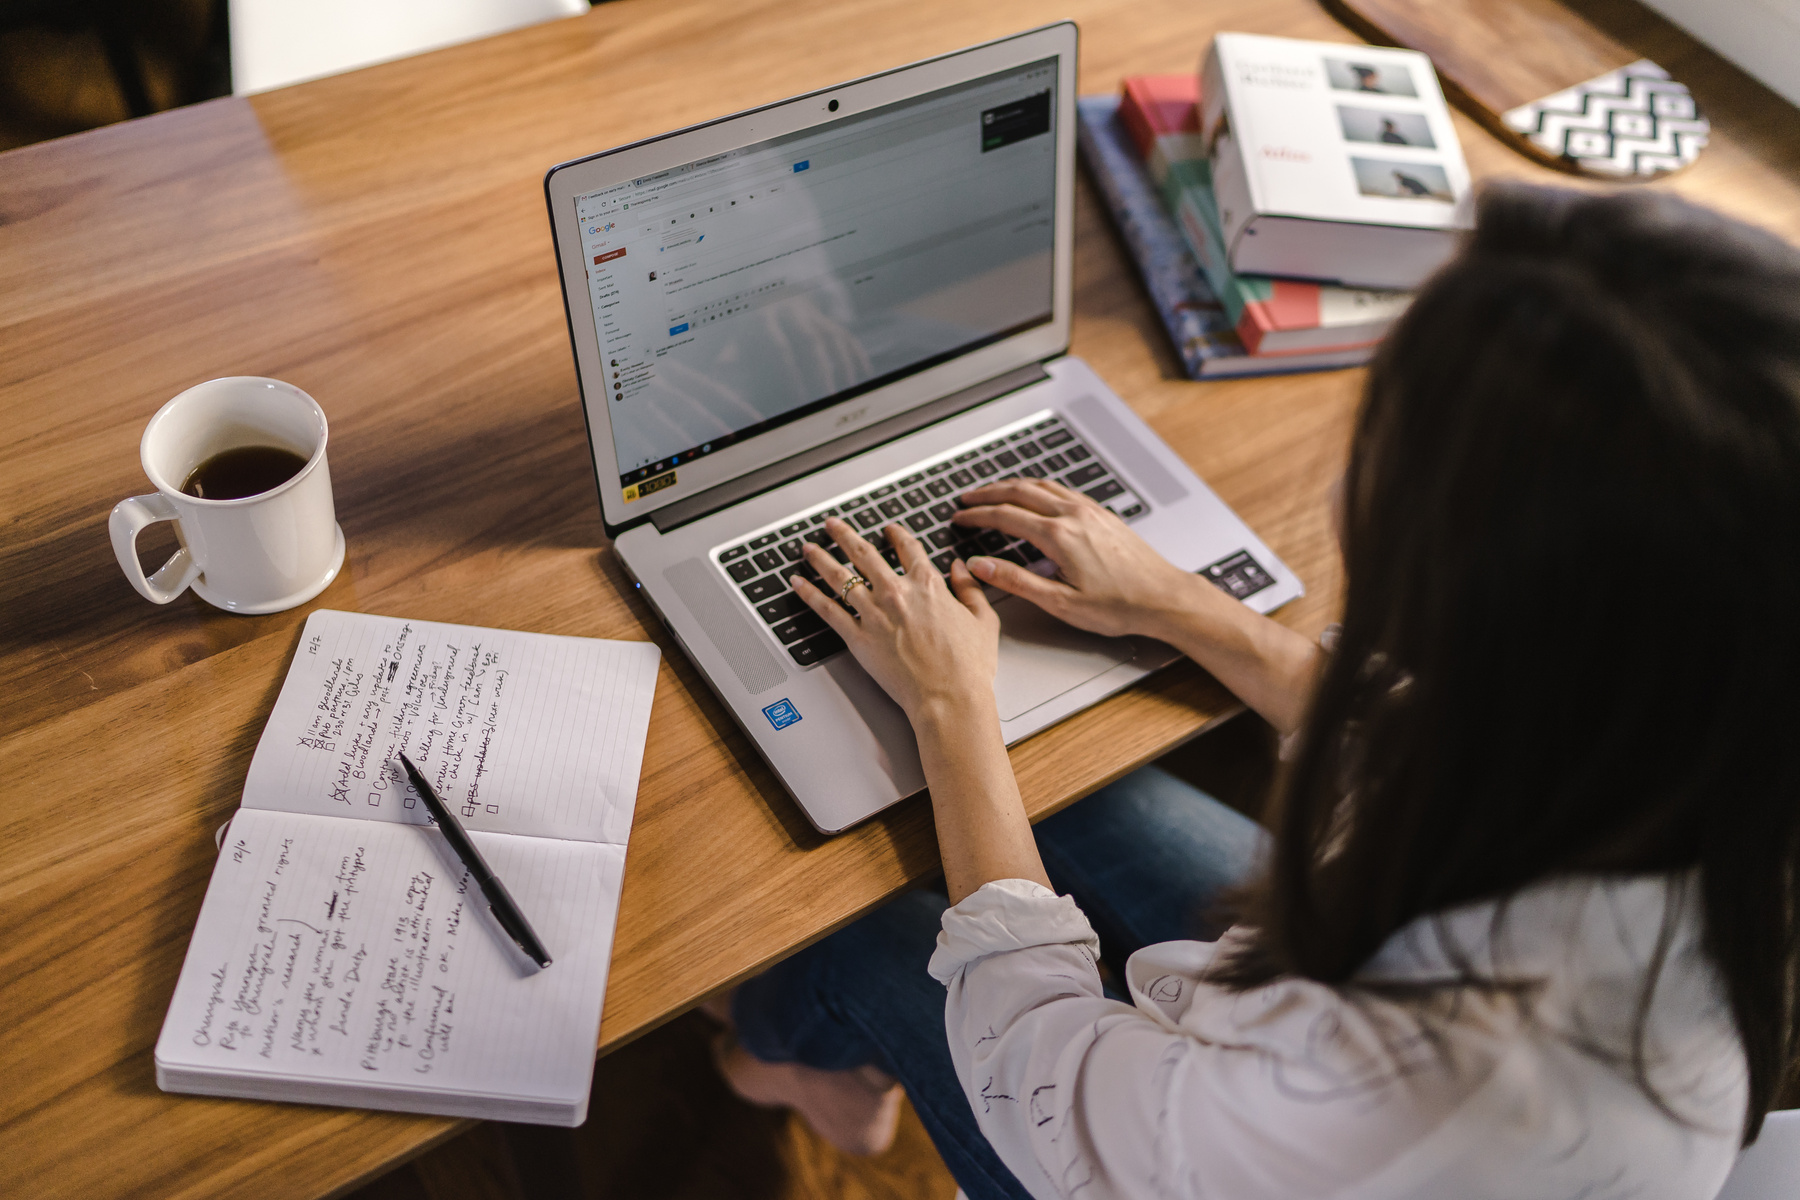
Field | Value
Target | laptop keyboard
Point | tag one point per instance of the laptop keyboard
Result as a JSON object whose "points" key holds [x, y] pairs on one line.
{"points": [[923, 499]]}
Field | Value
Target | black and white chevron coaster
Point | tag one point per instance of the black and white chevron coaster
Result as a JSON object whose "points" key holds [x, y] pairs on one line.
{"points": [[1634, 122]]}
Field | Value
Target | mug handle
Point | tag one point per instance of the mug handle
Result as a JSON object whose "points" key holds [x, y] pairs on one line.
{"points": [[128, 519]]}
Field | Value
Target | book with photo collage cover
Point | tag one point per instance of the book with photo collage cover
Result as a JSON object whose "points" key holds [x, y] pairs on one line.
{"points": [[1202, 334]]}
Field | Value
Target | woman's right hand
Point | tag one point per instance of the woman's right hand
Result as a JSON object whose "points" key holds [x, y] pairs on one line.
{"points": [[1112, 582]]}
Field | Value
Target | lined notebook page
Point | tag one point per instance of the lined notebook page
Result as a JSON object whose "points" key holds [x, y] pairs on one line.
{"points": [[360, 953], [523, 733]]}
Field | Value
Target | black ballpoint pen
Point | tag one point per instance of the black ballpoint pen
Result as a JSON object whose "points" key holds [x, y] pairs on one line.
{"points": [[505, 911]]}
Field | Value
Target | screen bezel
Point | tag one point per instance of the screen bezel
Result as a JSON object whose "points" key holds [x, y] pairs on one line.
{"points": [[564, 182]]}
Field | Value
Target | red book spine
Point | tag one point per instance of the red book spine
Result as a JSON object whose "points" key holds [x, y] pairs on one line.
{"points": [[1152, 105], [1291, 305]]}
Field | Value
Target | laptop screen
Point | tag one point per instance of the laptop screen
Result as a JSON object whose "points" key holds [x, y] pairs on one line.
{"points": [[740, 292]]}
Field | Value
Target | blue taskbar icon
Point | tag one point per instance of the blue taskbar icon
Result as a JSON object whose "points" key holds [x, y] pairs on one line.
{"points": [[782, 713], [681, 328], [802, 164]]}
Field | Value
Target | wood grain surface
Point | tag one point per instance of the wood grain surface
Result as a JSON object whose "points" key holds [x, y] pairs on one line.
{"points": [[379, 239], [1492, 55]]}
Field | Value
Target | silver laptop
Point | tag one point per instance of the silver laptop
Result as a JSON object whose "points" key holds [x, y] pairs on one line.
{"points": [[857, 302]]}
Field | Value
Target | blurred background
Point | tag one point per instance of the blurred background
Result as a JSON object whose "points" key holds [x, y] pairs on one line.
{"points": [[67, 66]]}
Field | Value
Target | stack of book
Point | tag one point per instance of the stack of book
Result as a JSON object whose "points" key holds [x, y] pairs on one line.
{"points": [[1281, 222]]}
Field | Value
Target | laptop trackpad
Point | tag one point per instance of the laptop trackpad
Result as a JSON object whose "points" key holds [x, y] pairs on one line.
{"points": [[1041, 657]]}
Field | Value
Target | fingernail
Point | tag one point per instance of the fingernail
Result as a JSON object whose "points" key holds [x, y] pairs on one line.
{"points": [[981, 566]]}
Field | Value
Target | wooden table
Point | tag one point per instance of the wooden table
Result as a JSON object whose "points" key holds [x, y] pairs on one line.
{"points": [[379, 239]]}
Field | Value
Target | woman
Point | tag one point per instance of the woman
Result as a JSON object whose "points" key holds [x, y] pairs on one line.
{"points": [[1526, 925]]}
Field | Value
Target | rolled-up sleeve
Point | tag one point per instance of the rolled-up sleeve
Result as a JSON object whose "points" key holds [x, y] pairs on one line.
{"points": [[1025, 1010]]}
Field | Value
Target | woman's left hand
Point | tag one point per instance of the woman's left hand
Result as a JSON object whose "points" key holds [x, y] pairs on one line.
{"points": [[934, 648]]}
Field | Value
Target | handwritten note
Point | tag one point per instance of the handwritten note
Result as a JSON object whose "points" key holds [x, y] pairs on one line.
{"points": [[520, 733], [360, 952]]}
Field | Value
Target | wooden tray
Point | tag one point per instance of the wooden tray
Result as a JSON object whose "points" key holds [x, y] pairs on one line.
{"points": [[1545, 80]]}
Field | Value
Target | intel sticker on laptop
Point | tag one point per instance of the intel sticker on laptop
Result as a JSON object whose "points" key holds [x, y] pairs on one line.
{"points": [[782, 713]]}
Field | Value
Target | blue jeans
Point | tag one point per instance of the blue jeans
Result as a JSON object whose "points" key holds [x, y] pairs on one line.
{"points": [[1145, 857]]}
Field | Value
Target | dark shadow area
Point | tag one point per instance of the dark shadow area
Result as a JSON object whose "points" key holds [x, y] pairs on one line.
{"points": [[1234, 761], [68, 67], [663, 1126]]}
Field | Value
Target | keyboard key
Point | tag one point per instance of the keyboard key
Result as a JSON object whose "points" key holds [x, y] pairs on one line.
{"points": [[791, 530], [984, 468], [1077, 452], [1017, 434], [1055, 462], [1055, 437], [1047, 424], [868, 518], [801, 569], [1107, 490], [943, 538], [768, 560], [782, 607], [1014, 554], [966, 456], [893, 507], [1082, 476], [937, 468], [791, 550], [938, 487], [767, 539], [996, 444], [919, 522], [742, 571], [892, 556], [837, 552], [1136, 510], [991, 541], [854, 503], [912, 479], [1006, 458], [817, 648], [962, 479], [734, 552], [882, 491], [1029, 449], [819, 518], [1034, 470], [804, 625], [943, 510], [942, 562], [1032, 553], [818, 537], [762, 589], [915, 498]]}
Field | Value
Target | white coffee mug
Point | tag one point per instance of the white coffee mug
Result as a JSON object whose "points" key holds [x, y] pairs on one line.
{"points": [[257, 554]]}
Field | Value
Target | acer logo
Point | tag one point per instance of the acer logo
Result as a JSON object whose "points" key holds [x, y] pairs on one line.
{"points": [[848, 417]]}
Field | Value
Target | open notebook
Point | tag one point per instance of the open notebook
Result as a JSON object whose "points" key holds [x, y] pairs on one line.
{"points": [[343, 955]]}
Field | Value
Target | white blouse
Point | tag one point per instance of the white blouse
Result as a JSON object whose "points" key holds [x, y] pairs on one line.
{"points": [[1299, 1090]]}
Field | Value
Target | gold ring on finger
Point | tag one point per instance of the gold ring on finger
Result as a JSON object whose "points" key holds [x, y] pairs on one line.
{"points": [[853, 581]]}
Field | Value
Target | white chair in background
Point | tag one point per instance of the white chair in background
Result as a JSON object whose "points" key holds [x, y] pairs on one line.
{"points": [[278, 42], [1769, 1170]]}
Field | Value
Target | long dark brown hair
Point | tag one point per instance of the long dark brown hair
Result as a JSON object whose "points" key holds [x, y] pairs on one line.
{"points": [[1571, 633]]}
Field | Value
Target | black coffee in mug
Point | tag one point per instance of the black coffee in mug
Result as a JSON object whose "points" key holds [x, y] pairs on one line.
{"points": [[243, 471]]}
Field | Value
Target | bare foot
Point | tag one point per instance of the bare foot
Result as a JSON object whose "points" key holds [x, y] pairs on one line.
{"points": [[858, 1111]]}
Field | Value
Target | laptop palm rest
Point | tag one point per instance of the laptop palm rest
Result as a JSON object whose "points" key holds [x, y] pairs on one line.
{"points": [[1041, 657]]}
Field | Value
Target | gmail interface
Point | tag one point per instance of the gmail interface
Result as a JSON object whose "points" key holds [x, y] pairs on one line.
{"points": [[736, 293]]}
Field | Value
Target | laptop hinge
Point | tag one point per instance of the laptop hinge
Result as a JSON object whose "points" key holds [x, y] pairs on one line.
{"points": [[733, 491]]}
